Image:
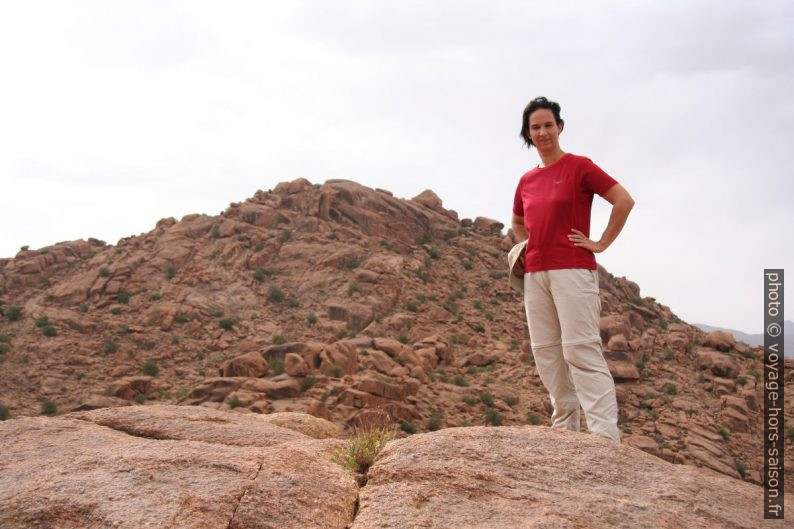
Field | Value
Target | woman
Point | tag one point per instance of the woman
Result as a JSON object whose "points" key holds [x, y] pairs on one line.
{"points": [[552, 210]]}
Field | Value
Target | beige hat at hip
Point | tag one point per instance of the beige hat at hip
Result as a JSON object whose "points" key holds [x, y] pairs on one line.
{"points": [[516, 273]]}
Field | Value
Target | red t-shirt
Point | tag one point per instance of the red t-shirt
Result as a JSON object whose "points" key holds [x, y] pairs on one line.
{"points": [[553, 200]]}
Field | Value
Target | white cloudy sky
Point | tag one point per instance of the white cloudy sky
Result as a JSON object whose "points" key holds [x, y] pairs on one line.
{"points": [[116, 114]]}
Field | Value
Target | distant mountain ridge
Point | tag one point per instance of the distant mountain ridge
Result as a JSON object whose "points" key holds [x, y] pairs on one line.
{"points": [[756, 339]]}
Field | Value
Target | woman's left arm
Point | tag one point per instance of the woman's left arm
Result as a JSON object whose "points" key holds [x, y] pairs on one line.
{"points": [[621, 206]]}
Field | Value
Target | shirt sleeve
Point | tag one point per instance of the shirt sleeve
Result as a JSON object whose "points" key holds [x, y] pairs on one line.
{"points": [[518, 202], [595, 180]]}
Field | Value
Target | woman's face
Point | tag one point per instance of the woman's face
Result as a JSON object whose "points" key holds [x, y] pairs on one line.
{"points": [[544, 131]]}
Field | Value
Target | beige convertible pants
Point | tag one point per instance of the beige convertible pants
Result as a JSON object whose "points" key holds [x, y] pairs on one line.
{"points": [[563, 309]]}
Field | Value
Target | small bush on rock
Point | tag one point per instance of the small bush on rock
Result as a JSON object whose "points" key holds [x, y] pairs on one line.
{"points": [[48, 408], [149, 367], [13, 313]]}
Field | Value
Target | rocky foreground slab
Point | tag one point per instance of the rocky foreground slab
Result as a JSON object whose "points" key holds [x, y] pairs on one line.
{"points": [[185, 467]]}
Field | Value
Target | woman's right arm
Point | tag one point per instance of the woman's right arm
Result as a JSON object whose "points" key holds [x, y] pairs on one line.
{"points": [[519, 229]]}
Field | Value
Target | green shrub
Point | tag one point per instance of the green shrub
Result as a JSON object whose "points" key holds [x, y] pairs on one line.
{"points": [[110, 346], [286, 235], [149, 367], [486, 398], [724, 433], [115, 311], [468, 265], [450, 305], [293, 303], [754, 372], [741, 468], [170, 272], [408, 427], [259, 275], [49, 330], [84, 308], [402, 338], [5, 414], [226, 324], [276, 365], [13, 313], [470, 400], [479, 328], [3, 348], [123, 296], [140, 398], [670, 388], [533, 418], [424, 239], [352, 288], [386, 244], [435, 421], [235, 402], [510, 400], [311, 319], [307, 382], [433, 253], [352, 263], [336, 370], [497, 274], [155, 296], [458, 380], [216, 232], [104, 271], [411, 306], [49, 408], [180, 318], [492, 416], [274, 295], [278, 340]]}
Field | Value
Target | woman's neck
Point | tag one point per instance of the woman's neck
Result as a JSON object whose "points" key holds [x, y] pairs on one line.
{"points": [[548, 158]]}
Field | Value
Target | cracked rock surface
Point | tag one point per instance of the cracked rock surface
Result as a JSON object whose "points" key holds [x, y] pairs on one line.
{"points": [[194, 467], [538, 477], [168, 466]]}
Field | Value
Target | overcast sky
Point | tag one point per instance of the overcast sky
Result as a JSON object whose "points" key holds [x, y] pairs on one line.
{"points": [[116, 114]]}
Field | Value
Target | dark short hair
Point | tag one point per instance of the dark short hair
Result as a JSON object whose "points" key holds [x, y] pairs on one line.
{"points": [[535, 104]]}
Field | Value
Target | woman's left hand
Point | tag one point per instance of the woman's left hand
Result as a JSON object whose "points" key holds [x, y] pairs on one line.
{"points": [[578, 239]]}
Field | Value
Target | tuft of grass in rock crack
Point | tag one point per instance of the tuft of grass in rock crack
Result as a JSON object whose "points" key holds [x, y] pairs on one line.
{"points": [[365, 443]]}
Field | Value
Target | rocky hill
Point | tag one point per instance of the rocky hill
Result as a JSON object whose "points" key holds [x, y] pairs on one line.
{"points": [[342, 301]]}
